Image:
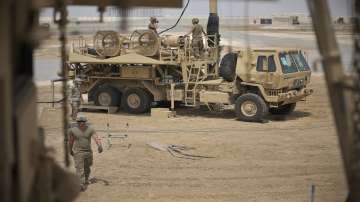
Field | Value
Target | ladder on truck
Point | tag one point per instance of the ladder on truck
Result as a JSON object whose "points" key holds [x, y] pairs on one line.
{"points": [[196, 73]]}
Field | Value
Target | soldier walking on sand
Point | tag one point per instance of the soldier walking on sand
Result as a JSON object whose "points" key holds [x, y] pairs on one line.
{"points": [[153, 25], [197, 32], [80, 148], [75, 98]]}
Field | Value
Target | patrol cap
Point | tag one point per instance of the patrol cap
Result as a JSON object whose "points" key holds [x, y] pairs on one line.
{"points": [[195, 20], [153, 19], [81, 118]]}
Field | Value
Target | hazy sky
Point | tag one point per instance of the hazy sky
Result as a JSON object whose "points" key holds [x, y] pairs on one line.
{"points": [[233, 8], [265, 7]]}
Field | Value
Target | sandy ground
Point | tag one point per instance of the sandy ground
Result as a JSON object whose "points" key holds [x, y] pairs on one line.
{"points": [[273, 161]]}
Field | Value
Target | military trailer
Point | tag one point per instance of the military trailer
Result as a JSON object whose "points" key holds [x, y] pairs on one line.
{"points": [[135, 71]]}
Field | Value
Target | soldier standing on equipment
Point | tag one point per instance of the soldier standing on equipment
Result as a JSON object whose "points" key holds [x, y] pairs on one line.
{"points": [[75, 98], [80, 148], [153, 24], [197, 38]]}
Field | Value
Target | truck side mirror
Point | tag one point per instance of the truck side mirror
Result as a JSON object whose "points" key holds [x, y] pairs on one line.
{"points": [[305, 55], [317, 65]]}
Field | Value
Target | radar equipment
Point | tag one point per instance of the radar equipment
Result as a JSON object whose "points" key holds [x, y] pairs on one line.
{"points": [[145, 42], [107, 43]]}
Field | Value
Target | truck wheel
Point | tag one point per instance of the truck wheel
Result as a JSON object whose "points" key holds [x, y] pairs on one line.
{"points": [[136, 101], [227, 67], [107, 96], [250, 107], [283, 110]]}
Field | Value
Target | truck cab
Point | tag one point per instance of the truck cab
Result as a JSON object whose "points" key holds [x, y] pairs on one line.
{"points": [[274, 79], [259, 81]]}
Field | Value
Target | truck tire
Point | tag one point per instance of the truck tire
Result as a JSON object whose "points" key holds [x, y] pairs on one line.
{"points": [[251, 108], [227, 67], [136, 101], [283, 110], [107, 96]]}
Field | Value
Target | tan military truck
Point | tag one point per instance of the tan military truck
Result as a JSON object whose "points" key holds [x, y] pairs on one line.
{"points": [[266, 80], [135, 71]]}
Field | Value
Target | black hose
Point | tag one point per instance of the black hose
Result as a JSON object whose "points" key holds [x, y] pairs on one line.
{"points": [[177, 22]]}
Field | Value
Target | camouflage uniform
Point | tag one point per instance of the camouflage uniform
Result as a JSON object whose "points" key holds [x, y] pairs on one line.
{"points": [[83, 155], [75, 100], [152, 25], [197, 40]]}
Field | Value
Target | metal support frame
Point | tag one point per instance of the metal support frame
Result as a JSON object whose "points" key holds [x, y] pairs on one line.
{"points": [[6, 106], [336, 80], [61, 9], [355, 116], [172, 89]]}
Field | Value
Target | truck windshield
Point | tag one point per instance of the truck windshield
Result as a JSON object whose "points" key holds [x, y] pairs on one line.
{"points": [[287, 63], [300, 61]]}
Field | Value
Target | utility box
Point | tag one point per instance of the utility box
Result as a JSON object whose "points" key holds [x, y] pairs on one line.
{"points": [[214, 97], [178, 94], [162, 113], [137, 72]]}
